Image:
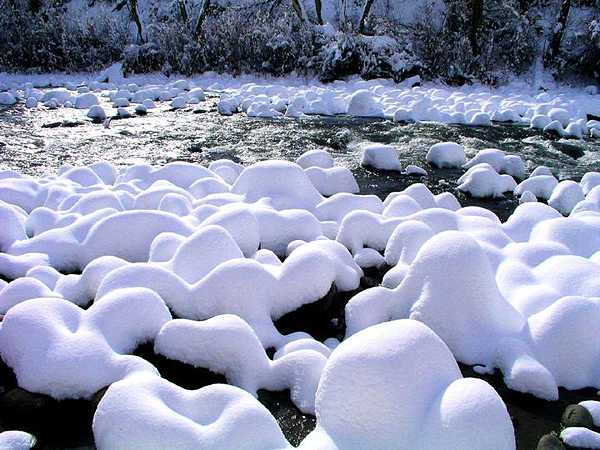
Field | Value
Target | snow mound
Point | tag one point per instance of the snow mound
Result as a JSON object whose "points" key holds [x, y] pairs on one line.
{"points": [[418, 401], [89, 348], [146, 411], [383, 157], [482, 180], [226, 344], [362, 104], [446, 155]]}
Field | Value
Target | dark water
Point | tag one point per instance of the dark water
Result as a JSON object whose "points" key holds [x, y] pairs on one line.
{"points": [[40, 140]]}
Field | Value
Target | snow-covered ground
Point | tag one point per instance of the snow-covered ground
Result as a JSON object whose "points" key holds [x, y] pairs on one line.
{"points": [[102, 258]]}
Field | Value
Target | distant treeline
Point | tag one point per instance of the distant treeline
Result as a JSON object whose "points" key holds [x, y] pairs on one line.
{"points": [[448, 40]]}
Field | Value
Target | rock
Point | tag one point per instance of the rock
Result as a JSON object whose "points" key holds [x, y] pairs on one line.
{"points": [[577, 416], [97, 113], [550, 442]]}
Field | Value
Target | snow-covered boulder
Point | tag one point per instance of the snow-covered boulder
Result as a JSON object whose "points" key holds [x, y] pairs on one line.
{"points": [[382, 157], [419, 400], [147, 411], [362, 104], [446, 155]]}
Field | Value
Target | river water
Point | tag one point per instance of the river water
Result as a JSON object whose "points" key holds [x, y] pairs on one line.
{"points": [[34, 141]]}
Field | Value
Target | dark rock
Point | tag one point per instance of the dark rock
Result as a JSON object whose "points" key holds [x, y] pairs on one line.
{"points": [[571, 150], [195, 148], [294, 425], [577, 416], [52, 125], [368, 282], [550, 442], [200, 111]]}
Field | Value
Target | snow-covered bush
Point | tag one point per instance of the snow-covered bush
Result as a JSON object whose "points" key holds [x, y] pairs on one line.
{"points": [[506, 44], [48, 38]]}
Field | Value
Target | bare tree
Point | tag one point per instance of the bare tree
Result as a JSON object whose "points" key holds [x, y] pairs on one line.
{"points": [[559, 30], [476, 23], [318, 8], [133, 14], [364, 15]]}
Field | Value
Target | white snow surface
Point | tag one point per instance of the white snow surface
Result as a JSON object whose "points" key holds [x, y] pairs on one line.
{"points": [[520, 296], [419, 390]]}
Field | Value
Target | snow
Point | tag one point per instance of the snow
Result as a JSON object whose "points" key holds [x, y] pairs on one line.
{"points": [[362, 104], [417, 401], [382, 157], [145, 410], [89, 346], [96, 112], [315, 158], [86, 101], [230, 249], [446, 155], [226, 344], [16, 440], [541, 186], [565, 196], [482, 180], [580, 437], [593, 407]]}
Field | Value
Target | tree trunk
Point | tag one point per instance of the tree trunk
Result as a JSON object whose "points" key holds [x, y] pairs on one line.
{"points": [[318, 8], [523, 6], [559, 30], [476, 22], [136, 18], [365, 14], [203, 13], [298, 9]]}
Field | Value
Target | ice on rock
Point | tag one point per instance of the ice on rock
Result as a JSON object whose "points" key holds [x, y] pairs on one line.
{"points": [[541, 186], [401, 206], [332, 181], [61, 95], [482, 180], [446, 155], [181, 174], [481, 119], [420, 400], [336, 207], [7, 98], [444, 288], [382, 157], [31, 102], [105, 232], [555, 127], [89, 348], [500, 161], [179, 102], [362, 104], [145, 410], [315, 158], [540, 121], [227, 345]]}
